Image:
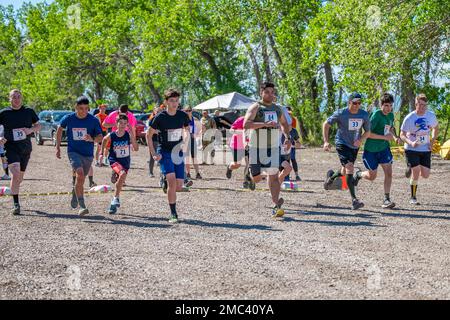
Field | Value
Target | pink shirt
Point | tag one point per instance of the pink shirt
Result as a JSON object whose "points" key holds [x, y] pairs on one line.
{"points": [[237, 139], [112, 117]]}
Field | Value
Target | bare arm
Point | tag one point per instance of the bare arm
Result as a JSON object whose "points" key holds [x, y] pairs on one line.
{"points": [[250, 117], [59, 132], [105, 143], [434, 136], [151, 148], [325, 133], [133, 140]]}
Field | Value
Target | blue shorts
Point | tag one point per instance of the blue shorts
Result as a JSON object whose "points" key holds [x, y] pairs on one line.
{"points": [[373, 159], [79, 161], [172, 163]]}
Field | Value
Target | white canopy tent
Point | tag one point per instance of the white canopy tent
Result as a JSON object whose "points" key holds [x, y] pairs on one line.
{"points": [[229, 101]]}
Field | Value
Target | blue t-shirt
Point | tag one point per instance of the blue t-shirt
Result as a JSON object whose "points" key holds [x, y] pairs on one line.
{"points": [[349, 126], [76, 130]]}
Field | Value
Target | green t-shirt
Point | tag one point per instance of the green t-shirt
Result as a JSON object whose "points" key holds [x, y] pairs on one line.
{"points": [[266, 137], [379, 124]]}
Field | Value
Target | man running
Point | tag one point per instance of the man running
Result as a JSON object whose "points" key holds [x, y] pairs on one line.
{"points": [[19, 123], [119, 157], [415, 132], [173, 127], [377, 150], [83, 130], [263, 119], [350, 121]]}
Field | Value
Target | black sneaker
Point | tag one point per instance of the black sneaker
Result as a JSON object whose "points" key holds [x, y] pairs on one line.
{"points": [[414, 202], [229, 172], [408, 171], [198, 176], [16, 210], [328, 180], [93, 184], [245, 185], [388, 204], [356, 204], [297, 178], [188, 183], [356, 177]]}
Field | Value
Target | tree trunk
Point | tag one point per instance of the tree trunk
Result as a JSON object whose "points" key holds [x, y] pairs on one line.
{"points": [[331, 106], [214, 68], [266, 60], [255, 65], [275, 53], [156, 96]]}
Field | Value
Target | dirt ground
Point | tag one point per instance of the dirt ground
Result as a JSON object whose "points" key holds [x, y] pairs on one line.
{"points": [[226, 246]]}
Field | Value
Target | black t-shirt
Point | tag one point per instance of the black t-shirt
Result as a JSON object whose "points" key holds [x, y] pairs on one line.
{"points": [[14, 120], [170, 128]]}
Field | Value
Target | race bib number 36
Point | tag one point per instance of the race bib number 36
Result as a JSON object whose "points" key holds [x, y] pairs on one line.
{"points": [[19, 134], [270, 116], [174, 135], [355, 124], [79, 133]]}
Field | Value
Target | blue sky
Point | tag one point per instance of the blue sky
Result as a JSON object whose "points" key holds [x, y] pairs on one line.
{"points": [[17, 3]]}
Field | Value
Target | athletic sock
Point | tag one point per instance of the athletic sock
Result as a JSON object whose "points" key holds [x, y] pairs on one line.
{"points": [[6, 170], [91, 179], [336, 174], [81, 202], [387, 197], [173, 209], [414, 184], [351, 185], [16, 199]]}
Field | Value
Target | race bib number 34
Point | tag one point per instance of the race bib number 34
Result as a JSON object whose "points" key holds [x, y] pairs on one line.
{"points": [[79, 133], [174, 135], [270, 116], [19, 134], [355, 124], [423, 139]]}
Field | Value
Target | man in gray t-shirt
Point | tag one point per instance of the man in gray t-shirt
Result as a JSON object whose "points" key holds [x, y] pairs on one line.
{"points": [[351, 121]]}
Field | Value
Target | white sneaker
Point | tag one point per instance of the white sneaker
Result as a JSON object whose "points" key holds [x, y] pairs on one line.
{"points": [[116, 202], [5, 177]]}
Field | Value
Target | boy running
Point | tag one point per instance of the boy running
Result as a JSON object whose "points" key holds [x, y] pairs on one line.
{"points": [[350, 121], [83, 130], [173, 127], [377, 150], [119, 156], [19, 123], [415, 132]]}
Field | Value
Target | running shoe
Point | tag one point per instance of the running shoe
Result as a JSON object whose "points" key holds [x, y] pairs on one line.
{"points": [[328, 180], [114, 177], [74, 200], [83, 211], [356, 204], [5, 177], [188, 183], [245, 185], [277, 211], [388, 204], [112, 209], [92, 184], [15, 210], [297, 178], [229, 172], [151, 175], [414, 202], [173, 218], [408, 171], [198, 176]]}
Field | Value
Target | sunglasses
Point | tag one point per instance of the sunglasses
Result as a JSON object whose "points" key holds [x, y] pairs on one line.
{"points": [[188, 110]]}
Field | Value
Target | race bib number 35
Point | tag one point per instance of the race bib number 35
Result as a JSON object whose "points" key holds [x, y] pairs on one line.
{"points": [[174, 135], [79, 133], [19, 134], [270, 116], [355, 124]]}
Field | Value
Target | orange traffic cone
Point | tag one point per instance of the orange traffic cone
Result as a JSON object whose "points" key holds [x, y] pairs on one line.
{"points": [[344, 183]]}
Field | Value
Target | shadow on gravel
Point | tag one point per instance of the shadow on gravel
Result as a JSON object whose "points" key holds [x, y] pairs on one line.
{"points": [[417, 216], [411, 215], [229, 225], [332, 214], [104, 220], [337, 223]]}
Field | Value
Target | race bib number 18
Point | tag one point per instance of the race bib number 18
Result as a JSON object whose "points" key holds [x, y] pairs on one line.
{"points": [[19, 134], [79, 133], [355, 124]]}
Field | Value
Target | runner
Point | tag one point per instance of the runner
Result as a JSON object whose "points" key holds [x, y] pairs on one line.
{"points": [[19, 123], [194, 129], [83, 130], [3, 157], [415, 132], [289, 155], [110, 120], [173, 127], [377, 150], [101, 116], [263, 119], [119, 156], [208, 126], [151, 162], [239, 147], [350, 123], [295, 144]]}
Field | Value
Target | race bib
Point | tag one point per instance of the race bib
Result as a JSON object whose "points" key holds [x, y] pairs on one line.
{"points": [[122, 151], [79, 133], [423, 138], [270, 116], [174, 135], [387, 130], [355, 124], [19, 134]]}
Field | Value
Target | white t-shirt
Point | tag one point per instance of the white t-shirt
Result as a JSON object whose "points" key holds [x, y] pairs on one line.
{"points": [[419, 128]]}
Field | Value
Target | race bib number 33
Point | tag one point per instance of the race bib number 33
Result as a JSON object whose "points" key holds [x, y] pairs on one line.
{"points": [[355, 124], [79, 133], [19, 134]]}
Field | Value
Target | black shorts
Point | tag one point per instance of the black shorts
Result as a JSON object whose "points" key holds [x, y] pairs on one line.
{"points": [[284, 157], [268, 159], [17, 155], [416, 158], [193, 147], [346, 154]]}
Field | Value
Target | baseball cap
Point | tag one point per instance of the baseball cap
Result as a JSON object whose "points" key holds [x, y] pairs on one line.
{"points": [[354, 95]]}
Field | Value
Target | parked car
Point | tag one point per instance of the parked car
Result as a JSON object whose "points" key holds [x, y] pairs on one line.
{"points": [[141, 127], [49, 120]]}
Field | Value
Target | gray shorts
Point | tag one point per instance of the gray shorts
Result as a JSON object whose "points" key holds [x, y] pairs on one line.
{"points": [[79, 161]]}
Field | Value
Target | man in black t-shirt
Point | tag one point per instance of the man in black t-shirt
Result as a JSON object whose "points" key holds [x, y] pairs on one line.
{"points": [[173, 128], [19, 123]]}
